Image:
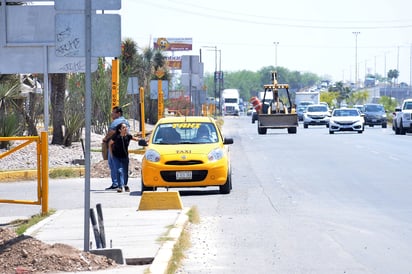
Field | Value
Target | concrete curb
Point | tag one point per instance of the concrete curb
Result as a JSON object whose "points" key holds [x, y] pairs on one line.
{"points": [[165, 253]]}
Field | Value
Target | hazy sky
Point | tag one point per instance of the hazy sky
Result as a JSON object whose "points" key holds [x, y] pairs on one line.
{"points": [[314, 36]]}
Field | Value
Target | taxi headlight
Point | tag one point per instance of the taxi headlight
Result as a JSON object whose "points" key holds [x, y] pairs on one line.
{"points": [[215, 154], [152, 155]]}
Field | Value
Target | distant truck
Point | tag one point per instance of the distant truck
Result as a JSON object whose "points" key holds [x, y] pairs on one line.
{"points": [[230, 102], [305, 96]]}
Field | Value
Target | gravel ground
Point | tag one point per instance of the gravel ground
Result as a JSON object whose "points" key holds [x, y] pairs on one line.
{"points": [[61, 156]]}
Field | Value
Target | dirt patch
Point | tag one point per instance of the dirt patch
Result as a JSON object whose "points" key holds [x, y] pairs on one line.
{"points": [[101, 169], [24, 254]]}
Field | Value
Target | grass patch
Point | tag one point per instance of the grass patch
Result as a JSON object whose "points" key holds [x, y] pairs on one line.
{"points": [[183, 243], [23, 225], [65, 173], [178, 252]]}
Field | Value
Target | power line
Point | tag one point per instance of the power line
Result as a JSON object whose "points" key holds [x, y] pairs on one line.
{"points": [[301, 25]]}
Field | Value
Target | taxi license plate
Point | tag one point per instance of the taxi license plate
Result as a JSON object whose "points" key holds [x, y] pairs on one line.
{"points": [[183, 175]]}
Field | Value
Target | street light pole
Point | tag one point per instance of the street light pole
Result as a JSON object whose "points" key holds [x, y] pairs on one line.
{"points": [[215, 73], [356, 57], [276, 54]]}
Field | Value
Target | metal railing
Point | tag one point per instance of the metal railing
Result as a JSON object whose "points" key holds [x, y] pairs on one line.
{"points": [[42, 168]]}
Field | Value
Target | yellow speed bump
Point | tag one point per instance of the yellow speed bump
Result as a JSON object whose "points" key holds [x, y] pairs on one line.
{"points": [[160, 200]]}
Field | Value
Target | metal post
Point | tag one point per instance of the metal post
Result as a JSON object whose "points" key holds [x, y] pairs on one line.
{"points": [[276, 54], [44, 140], [356, 57], [88, 99]]}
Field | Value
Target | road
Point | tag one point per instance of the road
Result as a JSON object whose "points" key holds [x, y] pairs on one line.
{"points": [[307, 203]]}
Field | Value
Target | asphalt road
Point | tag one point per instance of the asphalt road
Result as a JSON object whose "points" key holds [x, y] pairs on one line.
{"points": [[309, 202]]}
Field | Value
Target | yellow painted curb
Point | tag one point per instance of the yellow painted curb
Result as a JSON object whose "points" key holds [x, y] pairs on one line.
{"points": [[18, 175], [160, 200], [31, 174]]}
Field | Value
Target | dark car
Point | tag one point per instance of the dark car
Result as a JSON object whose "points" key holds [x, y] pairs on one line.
{"points": [[374, 114], [300, 111]]}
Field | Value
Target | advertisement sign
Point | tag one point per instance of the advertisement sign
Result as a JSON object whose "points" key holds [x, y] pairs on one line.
{"points": [[172, 44], [174, 62]]}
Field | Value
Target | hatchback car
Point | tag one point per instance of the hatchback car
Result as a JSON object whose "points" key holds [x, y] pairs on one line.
{"points": [[186, 152], [316, 115], [346, 119], [375, 114]]}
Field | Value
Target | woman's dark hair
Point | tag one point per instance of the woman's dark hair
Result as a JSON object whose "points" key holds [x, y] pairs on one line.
{"points": [[119, 127]]}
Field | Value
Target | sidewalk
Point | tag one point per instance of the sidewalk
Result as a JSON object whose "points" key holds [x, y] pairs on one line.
{"points": [[136, 233]]}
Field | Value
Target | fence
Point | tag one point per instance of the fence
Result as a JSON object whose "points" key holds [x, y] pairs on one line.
{"points": [[42, 168]]}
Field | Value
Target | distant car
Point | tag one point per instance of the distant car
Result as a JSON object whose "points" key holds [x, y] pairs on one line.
{"points": [[249, 111], [402, 120], [346, 119], [254, 116], [375, 114], [300, 111], [359, 107], [186, 152], [316, 115]]}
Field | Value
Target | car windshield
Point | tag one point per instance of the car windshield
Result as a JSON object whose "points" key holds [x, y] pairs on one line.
{"points": [[185, 133], [346, 112], [374, 108], [317, 109], [408, 105]]}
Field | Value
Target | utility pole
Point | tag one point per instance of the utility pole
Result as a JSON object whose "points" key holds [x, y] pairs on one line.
{"points": [[276, 54], [356, 33]]}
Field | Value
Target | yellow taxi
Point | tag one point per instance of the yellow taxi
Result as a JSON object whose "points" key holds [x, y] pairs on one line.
{"points": [[187, 151]]}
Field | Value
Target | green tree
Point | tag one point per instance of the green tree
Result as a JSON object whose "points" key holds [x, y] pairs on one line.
{"points": [[358, 97], [343, 92], [9, 125], [393, 74]]}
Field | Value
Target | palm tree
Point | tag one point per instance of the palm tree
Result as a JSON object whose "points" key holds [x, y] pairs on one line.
{"points": [[57, 101], [393, 74], [9, 125]]}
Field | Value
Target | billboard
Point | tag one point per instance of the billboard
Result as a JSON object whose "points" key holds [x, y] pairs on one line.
{"points": [[172, 44], [174, 62]]}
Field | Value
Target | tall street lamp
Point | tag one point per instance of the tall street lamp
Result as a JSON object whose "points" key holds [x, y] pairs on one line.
{"points": [[276, 54], [214, 48], [356, 57]]}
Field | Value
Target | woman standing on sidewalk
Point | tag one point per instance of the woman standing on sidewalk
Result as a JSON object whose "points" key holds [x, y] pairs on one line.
{"points": [[119, 146]]}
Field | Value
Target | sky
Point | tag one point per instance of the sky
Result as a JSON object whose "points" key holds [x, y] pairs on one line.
{"points": [[312, 36]]}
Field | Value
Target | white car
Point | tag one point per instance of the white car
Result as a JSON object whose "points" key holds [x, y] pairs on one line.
{"points": [[316, 115], [402, 122], [346, 119]]}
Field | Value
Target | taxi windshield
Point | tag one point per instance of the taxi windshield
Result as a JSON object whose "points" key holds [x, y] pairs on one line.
{"points": [[185, 133]]}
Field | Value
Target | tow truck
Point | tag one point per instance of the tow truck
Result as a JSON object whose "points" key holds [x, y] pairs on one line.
{"points": [[276, 114]]}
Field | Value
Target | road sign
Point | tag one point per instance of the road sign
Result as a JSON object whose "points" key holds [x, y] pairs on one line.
{"points": [[133, 86], [70, 35], [79, 4]]}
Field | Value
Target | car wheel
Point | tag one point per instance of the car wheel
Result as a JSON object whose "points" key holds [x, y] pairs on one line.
{"points": [[360, 131], [262, 130], [384, 125], [292, 130], [396, 129], [331, 132], [225, 189], [305, 125], [402, 131]]}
